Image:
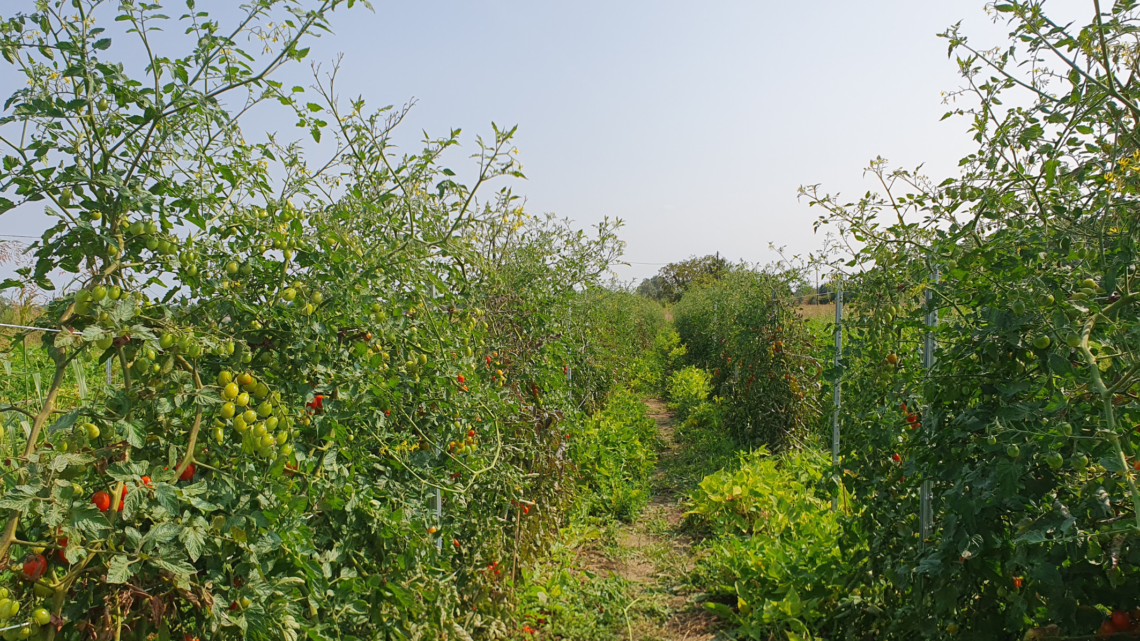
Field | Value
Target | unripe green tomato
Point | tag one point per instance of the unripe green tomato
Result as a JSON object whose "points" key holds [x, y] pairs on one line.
{"points": [[152, 244], [1072, 339], [99, 293], [240, 425], [1012, 451], [282, 437], [260, 430], [167, 341], [115, 292], [261, 390], [255, 325], [264, 452], [230, 391], [13, 608], [308, 308], [242, 399], [151, 227], [271, 423], [1018, 307], [311, 348], [265, 409], [82, 308], [25, 632], [92, 430], [225, 377], [1042, 342], [287, 449], [195, 350], [105, 342], [232, 268], [137, 228], [317, 298], [1066, 429], [246, 357], [289, 294], [5, 606], [41, 616], [1080, 462], [1089, 283], [246, 270], [1055, 460], [219, 435], [267, 440], [249, 416], [155, 368], [4, 593]]}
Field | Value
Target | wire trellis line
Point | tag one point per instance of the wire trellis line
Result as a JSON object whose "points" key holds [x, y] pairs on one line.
{"points": [[39, 329]]}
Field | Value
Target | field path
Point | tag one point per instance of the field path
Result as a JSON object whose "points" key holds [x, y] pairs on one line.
{"points": [[655, 555]]}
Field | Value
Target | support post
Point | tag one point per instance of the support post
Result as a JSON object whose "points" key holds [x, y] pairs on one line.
{"points": [[926, 508], [837, 398]]}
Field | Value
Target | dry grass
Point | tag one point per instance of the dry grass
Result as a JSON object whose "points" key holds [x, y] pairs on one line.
{"points": [[818, 312]]}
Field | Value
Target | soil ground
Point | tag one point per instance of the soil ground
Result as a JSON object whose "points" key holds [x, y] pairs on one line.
{"points": [[654, 553]]}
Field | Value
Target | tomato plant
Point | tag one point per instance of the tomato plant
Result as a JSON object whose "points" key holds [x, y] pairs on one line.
{"points": [[320, 373]]}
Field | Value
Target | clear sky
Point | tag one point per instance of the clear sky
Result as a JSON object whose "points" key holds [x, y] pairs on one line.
{"points": [[694, 122]]}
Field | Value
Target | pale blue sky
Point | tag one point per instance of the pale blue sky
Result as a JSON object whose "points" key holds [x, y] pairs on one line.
{"points": [[695, 122]]}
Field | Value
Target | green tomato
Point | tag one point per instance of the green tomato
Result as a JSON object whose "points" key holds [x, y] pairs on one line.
{"points": [[1042, 342], [271, 423], [92, 430], [289, 294], [41, 616], [249, 416], [242, 399], [99, 293], [287, 449], [1055, 460], [282, 437], [1080, 462], [1018, 307], [1065, 429], [5, 606], [137, 228], [1012, 451], [105, 342], [115, 292], [167, 341], [1072, 339], [317, 298], [260, 430], [261, 390]]}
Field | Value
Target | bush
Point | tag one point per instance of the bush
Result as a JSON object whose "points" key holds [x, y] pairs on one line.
{"points": [[649, 372], [688, 389], [777, 552], [615, 453]]}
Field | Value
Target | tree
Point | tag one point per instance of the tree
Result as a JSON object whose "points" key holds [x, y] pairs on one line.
{"points": [[677, 278]]}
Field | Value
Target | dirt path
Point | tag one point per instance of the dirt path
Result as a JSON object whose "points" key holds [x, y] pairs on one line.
{"points": [[655, 555]]}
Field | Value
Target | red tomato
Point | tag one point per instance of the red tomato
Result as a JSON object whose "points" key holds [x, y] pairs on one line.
{"points": [[895, 457], [461, 379], [34, 567], [290, 469], [187, 473], [145, 481], [1107, 629], [102, 500], [63, 544], [122, 499], [911, 418], [317, 404], [1121, 619], [526, 510], [471, 433]]}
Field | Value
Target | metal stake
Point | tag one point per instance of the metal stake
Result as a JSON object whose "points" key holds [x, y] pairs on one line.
{"points": [[837, 399]]}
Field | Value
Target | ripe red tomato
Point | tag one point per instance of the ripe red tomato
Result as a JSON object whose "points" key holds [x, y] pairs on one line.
{"points": [[187, 473], [102, 500], [911, 418], [63, 544], [34, 567], [1121, 619], [455, 542], [145, 480], [470, 433], [895, 457], [526, 509], [1107, 629], [460, 379], [122, 499]]}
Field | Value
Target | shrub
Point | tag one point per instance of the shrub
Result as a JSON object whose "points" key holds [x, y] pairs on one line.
{"points": [[615, 451], [688, 388], [777, 552]]}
